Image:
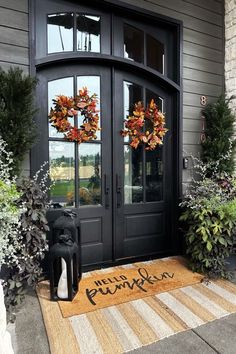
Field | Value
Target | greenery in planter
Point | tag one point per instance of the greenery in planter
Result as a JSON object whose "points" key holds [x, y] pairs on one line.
{"points": [[9, 212], [23, 227], [17, 110], [219, 135], [209, 219]]}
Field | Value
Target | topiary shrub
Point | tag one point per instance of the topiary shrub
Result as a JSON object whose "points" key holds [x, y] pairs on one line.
{"points": [[219, 135], [17, 110]]}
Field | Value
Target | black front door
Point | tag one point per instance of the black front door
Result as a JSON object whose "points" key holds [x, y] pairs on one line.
{"points": [[123, 196], [142, 179]]}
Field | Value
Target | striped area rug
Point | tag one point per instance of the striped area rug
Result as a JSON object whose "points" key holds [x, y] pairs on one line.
{"points": [[130, 325]]}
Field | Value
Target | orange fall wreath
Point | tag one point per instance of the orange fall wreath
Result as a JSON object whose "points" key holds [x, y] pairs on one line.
{"points": [[145, 126], [68, 107]]}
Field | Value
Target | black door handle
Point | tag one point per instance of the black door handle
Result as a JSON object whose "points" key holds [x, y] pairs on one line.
{"points": [[118, 191], [107, 190]]}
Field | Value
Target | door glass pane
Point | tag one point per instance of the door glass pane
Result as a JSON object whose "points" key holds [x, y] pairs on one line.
{"points": [[62, 173], [133, 186], [55, 88], [60, 32], [93, 85], [90, 174], [154, 175], [88, 33], [132, 94], [158, 100], [133, 43], [155, 54]]}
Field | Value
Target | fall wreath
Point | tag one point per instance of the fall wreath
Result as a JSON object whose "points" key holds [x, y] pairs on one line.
{"points": [[145, 126], [68, 107]]}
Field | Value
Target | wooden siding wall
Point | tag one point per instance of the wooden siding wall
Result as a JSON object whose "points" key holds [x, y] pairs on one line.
{"points": [[14, 29], [203, 52]]}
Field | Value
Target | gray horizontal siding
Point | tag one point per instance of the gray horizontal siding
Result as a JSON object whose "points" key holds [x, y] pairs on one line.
{"points": [[18, 5], [14, 34]]}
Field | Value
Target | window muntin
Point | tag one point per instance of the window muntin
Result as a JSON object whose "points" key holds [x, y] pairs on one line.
{"points": [[88, 33], [60, 32]]}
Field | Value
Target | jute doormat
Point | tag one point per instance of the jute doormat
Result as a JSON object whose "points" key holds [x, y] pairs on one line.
{"points": [[116, 286], [133, 324]]}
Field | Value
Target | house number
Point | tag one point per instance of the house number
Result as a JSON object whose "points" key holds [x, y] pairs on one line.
{"points": [[203, 100]]}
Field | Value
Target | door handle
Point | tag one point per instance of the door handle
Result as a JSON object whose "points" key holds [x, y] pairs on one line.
{"points": [[107, 190], [118, 191]]}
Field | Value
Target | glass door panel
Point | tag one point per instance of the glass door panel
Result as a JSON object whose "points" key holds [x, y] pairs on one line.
{"points": [[133, 175], [58, 87], [154, 175], [62, 173], [93, 85], [90, 174]]}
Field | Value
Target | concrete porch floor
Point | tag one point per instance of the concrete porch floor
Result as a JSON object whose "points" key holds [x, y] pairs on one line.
{"points": [[29, 335]]}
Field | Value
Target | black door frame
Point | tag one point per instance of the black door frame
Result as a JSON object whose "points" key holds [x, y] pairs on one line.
{"points": [[118, 8]]}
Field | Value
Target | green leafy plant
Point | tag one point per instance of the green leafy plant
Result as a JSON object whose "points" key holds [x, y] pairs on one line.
{"points": [[208, 220], [23, 227], [27, 270], [219, 135], [17, 110]]}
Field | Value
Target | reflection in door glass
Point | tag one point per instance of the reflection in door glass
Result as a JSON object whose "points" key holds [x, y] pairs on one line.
{"points": [[133, 43], [132, 94], [154, 175], [60, 32], [88, 33], [155, 54], [133, 186], [62, 173], [158, 100], [90, 174], [55, 88], [93, 85]]}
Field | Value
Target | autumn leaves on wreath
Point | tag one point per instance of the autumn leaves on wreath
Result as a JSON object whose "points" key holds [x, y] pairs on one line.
{"points": [[144, 126]]}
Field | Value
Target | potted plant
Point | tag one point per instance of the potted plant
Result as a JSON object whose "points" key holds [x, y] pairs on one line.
{"points": [[209, 219]]}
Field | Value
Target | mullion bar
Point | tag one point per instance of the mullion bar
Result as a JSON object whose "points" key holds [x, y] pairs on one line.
{"points": [[76, 154], [144, 156]]}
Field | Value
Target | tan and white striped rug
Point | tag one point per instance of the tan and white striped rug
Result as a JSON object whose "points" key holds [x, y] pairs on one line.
{"points": [[130, 325]]}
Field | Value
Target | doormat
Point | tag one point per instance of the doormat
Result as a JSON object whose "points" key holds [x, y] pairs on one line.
{"points": [[133, 324], [118, 285]]}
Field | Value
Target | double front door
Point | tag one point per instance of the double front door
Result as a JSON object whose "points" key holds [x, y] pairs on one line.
{"points": [[123, 195]]}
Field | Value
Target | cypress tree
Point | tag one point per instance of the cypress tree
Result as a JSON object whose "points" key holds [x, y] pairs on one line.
{"points": [[219, 135], [17, 110]]}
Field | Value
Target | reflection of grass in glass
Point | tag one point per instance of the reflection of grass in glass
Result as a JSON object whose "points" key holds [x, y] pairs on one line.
{"points": [[60, 189]]}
